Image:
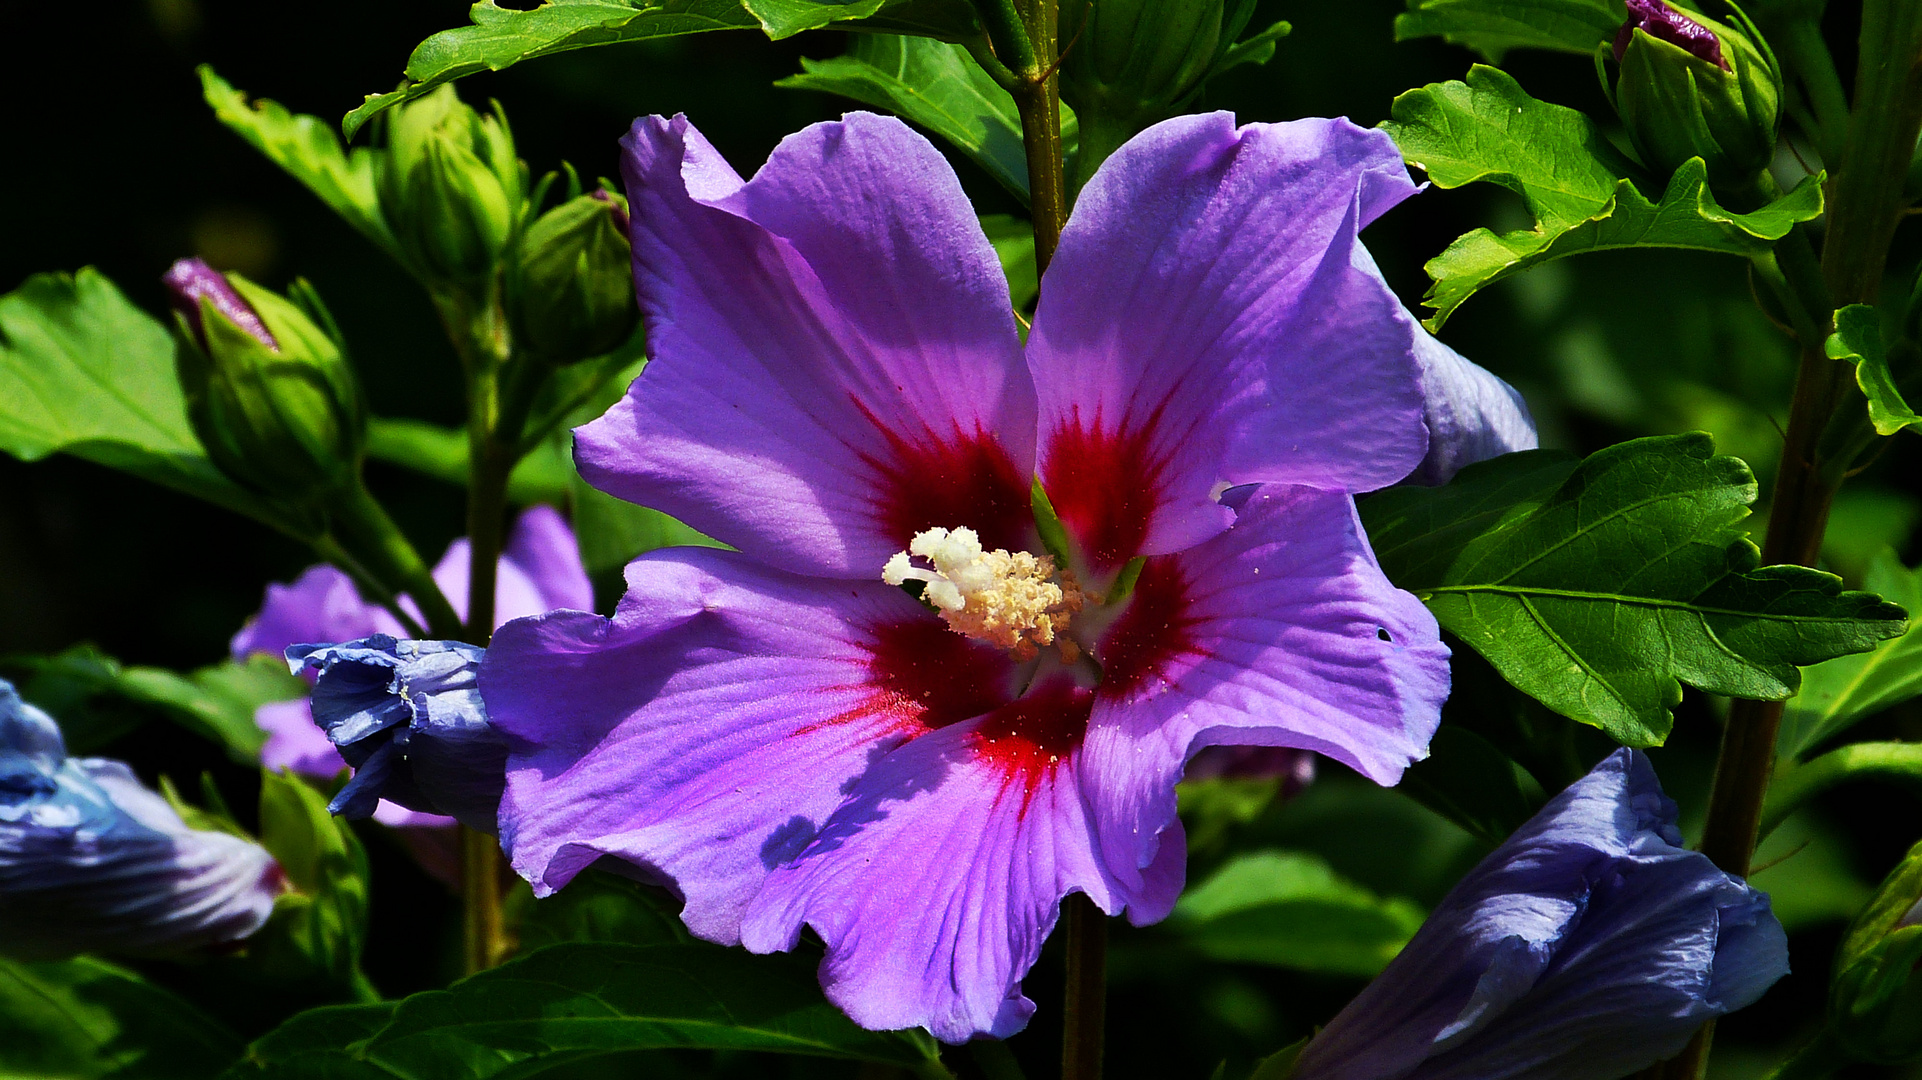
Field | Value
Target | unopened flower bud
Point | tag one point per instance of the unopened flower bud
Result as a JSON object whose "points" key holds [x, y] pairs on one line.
{"points": [[1875, 996], [1138, 59], [571, 293], [93, 861], [1689, 86], [407, 715], [450, 187], [269, 393]]}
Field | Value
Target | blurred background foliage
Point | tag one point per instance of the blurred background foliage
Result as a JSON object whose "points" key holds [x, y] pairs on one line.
{"points": [[113, 160]]}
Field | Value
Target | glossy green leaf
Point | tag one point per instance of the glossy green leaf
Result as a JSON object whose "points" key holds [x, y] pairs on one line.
{"points": [[317, 1045], [1806, 868], [1858, 340], [502, 37], [941, 88], [85, 372], [1291, 910], [1492, 27], [1838, 693], [83, 1019], [218, 701], [1601, 586], [309, 150], [1575, 184], [319, 928], [591, 998]]}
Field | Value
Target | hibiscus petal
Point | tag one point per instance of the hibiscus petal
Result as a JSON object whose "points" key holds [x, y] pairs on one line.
{"points": [[321, 605], [835, 362], [705, 732], [1280, 632], [935, 884], [539, 570], [1471, 414], [1203, 324]]}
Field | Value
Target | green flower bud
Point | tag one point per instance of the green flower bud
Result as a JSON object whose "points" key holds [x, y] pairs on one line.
{"points": [[1875, 997], [1689, 86], [571, 290], [450, 187], [1138, 60], [269, 393]]}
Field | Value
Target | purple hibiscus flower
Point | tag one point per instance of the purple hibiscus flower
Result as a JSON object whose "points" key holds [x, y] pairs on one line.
{"points": [[540, 569], [1589, 945], [838, 390]]}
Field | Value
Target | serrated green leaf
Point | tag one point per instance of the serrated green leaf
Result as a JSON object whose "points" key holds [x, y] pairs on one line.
{"points": [[1858, 340], [574, 999], [83, 1019], [502, 37], [1488, 129], [85, 372], [309, 150], [1291, 910], [941, 88], [1279, 1065], [1837, 694], [1599, 587], [316, 1045], [1492, 27]]}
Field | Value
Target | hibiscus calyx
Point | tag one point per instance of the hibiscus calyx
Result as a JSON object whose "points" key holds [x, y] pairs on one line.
{"points": [[1017, 600]]}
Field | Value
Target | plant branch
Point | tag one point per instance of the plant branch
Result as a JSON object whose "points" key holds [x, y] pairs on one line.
{"points": [[1084, 1016]]}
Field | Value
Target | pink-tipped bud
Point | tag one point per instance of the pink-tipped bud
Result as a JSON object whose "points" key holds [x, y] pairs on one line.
{"points": [[189, 281], [1664, 23]]}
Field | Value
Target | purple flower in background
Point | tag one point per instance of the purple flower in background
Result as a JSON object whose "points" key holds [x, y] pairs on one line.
{"points": [[1589, 945], [540, 570], [92, 861], [1664, 23], [838, 390]]}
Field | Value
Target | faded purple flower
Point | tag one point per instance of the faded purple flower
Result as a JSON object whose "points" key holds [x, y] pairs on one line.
{"points": [[838, 390], [191, 281], [1664, 23], [92, 861], [540, 569], [1589, 945]]}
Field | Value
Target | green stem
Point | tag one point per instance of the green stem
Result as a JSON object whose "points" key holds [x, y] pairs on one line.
{"points": [[364, 531], [1101, 135], [367, 583], [1084, 1017], [483, 936], [1865, 205], [1797, 784]]}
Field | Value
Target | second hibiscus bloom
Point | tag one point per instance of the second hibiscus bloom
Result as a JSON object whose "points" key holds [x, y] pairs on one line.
{"points": [[1133, 537]]}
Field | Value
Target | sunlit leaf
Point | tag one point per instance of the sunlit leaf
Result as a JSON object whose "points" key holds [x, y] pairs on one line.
{"points": [[502, 37], [1492, 27], [1601, 586], [1575, 184], [1858, 340]]}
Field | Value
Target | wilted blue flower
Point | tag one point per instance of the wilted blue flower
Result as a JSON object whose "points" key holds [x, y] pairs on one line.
{"points": [[539, 570], [407, 715], [1587, 946], [91, 861]]}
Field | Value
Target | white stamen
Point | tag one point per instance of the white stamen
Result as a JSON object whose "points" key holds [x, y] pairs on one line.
{"points": [[1010, 599]]}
